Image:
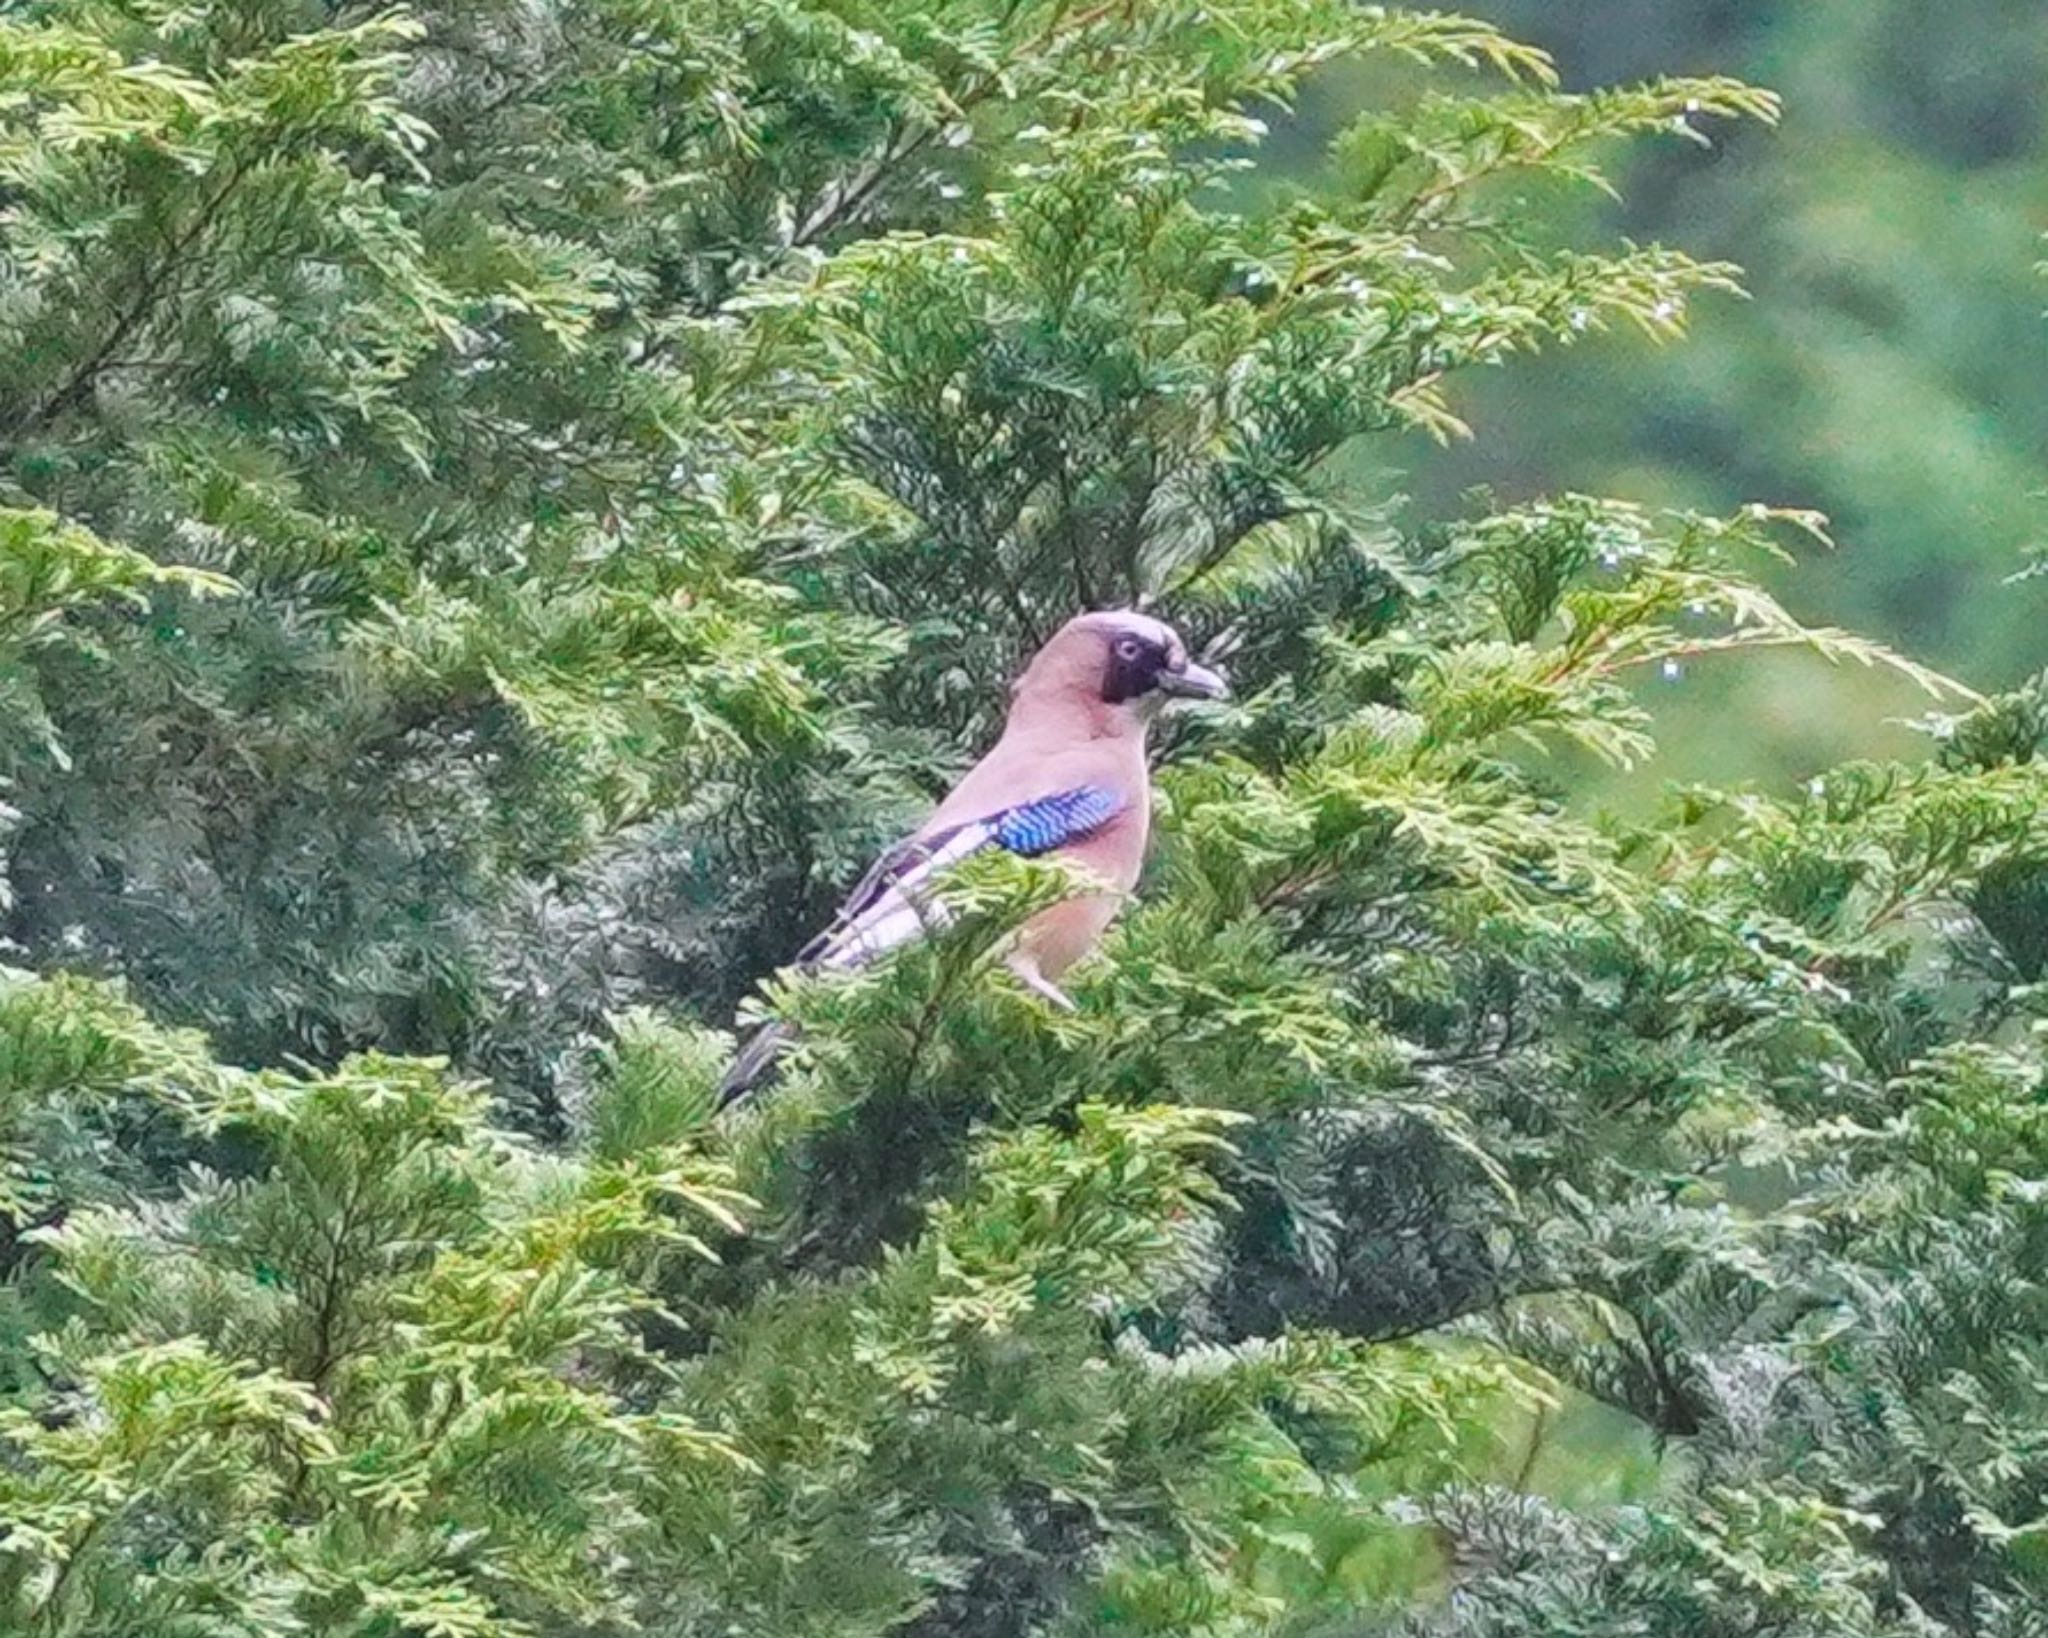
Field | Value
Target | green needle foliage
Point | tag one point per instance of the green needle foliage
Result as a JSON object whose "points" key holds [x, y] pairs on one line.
{"points": [[507, 508]]}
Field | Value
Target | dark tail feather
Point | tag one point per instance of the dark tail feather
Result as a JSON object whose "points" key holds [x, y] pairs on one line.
{"points": [[755, 1062]]}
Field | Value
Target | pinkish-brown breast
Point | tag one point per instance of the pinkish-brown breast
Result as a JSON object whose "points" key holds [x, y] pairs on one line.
{"points": [[1051, 752], [1058, 937]]}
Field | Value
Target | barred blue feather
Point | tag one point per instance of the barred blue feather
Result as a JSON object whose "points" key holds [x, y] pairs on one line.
{"points": [[1032, 828]]}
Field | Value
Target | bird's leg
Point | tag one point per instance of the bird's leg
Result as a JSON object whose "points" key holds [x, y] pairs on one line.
{"points": [[1026, 969]]}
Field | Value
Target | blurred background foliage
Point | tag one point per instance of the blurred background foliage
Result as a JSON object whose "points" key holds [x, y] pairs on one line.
{"points": [[1887, 369]]}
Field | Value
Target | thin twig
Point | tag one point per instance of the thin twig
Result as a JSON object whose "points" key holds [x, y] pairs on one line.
{"points": [[155, 284]]}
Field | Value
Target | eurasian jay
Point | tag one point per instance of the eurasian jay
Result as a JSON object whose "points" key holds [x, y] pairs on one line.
{"points": [[1067, 777]]}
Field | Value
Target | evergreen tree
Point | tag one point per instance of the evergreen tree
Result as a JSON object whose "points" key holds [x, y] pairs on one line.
{"points": [[510, 507]]}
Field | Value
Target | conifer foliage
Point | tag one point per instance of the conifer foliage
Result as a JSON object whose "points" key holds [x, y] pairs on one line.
{"points": [[508, 507]]}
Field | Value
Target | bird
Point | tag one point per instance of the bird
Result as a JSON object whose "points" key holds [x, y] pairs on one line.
{"points": [[1067, 777]]}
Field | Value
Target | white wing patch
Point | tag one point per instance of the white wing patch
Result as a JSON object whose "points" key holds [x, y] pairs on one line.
{"points": [[902, 910]]}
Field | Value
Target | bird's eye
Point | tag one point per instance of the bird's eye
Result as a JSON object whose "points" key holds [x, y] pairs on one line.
{"points": [[1129, 648]]}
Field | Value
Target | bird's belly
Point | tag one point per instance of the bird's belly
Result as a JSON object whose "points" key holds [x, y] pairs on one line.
{"points": [[1054, 939], [1057, 937]]}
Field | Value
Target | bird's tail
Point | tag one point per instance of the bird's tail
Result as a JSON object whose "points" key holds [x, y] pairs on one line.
{"points": [[754, 1064]]}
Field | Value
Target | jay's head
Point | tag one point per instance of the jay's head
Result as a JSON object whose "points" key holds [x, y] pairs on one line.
{"points": [[1119, 660]]}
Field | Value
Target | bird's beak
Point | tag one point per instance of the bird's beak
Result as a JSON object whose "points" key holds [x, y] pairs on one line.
{"points": [[1195, 682]]}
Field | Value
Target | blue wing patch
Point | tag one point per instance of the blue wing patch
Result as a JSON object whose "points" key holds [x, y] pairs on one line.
{"points": [[1032, 828]]}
